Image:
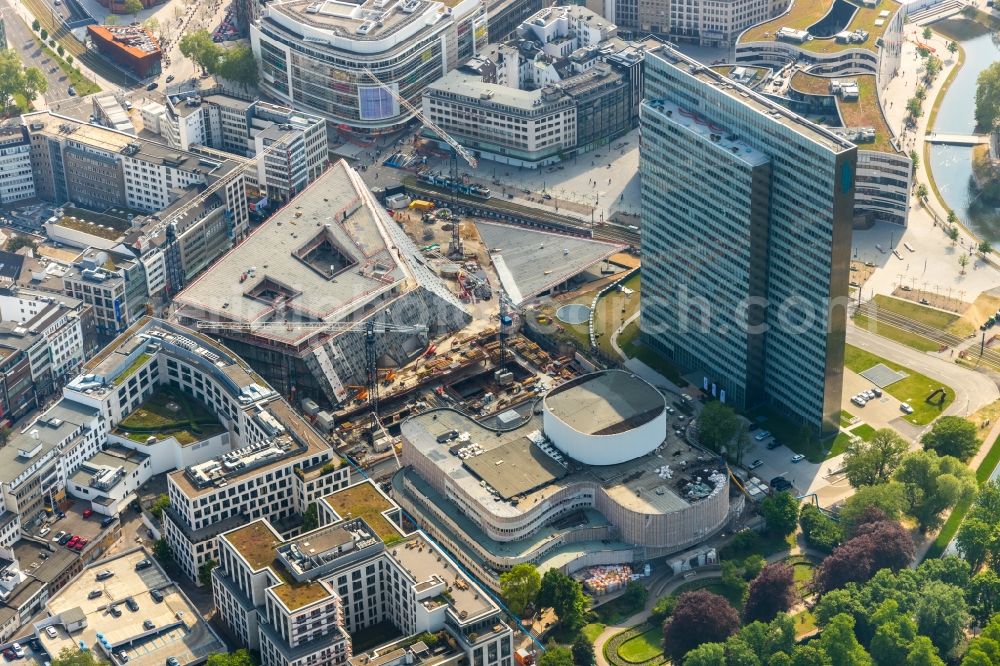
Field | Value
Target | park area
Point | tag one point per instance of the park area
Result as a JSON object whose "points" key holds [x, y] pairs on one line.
{"points": [[170, 412]]}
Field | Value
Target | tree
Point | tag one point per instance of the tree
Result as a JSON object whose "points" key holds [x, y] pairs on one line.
{"points": [[4, 436], [44, 34], [71, 657], [922, 191], [663, 607], [717, 426], [963, 261], [932, 484], [767, 640], [988, 97], [519, 587], [583, 652], [16, 242], [952, 231], [564, 596], [132, 7], [887, 499], [983, 596], [158, 505], [941, 614], [34, 85], [60, 50], [707, 654], [781, 513], [556, 655], [238, 64], [875, 546], [922, 653], [894, 634], [913, 107], [738, 653], [11, 77], [952, 218], [839, 642], [808, 655], [770, 593], [920, 93], [979, 535], [205, 572], [985, 247], [699, 617], [239, 658], [927, 33], [310, 518], [199, 47], [162, 551], [635, 595], [819, 530], [952, 436], [69, 60], [152, 24], [914, 160], [872, 463], [952, 47], [35, 25], [984, 650], [932, 67]]}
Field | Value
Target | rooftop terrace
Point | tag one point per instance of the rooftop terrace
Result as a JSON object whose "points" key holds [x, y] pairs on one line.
{"points": [[255, 542], [804, 14], [865, 111]]}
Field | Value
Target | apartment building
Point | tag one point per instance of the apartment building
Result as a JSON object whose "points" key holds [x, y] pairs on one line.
{"points": [[564, 86], [16, 181], [58, 318], [114, 283], [714, 23], [314, 56], [749, 208], [299, 601]]}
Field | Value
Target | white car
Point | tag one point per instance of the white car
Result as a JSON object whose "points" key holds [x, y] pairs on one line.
{"points": [[905, 408], [59, 535], [45, 530], [18, 650], [798, 457], [859, 401], [762, 435], [51, 632]]}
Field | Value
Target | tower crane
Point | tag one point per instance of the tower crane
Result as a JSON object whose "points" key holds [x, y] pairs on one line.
{"points": [[372, 330], [455, 249], [503, 376]]}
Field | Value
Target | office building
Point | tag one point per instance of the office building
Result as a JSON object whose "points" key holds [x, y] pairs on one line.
{"points": [[714, 23], [132, 47], [57, 318], [565, 85], [748, 208], [332, 254], [299, 601], [314, 56], [248, 128], [114, 283], [16, 181]]}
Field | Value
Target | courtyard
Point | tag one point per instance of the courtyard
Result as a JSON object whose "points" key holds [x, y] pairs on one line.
{"points": [[170, 412]]}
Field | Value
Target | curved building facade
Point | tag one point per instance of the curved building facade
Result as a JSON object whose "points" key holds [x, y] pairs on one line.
{"points": [[605, 418], [314, 55]]}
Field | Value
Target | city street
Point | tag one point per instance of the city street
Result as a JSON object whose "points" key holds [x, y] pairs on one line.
{"points": [[20, 38]]}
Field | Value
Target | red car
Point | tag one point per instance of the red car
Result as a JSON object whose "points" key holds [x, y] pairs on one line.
{"points": [[72, 542], [80, 544], [87, 513]]}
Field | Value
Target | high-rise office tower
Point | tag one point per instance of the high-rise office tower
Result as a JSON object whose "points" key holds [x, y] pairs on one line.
{"points": [[746, 240]]}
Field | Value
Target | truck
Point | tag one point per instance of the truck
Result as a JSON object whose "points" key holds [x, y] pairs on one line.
{"points": [[421, 205]]}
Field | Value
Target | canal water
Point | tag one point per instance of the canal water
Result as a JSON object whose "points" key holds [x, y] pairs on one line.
{"points": [[952, 165]]}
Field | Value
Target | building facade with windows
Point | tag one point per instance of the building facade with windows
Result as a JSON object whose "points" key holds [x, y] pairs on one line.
{"points": [[315, 55], [16, 181], [750, 209]]}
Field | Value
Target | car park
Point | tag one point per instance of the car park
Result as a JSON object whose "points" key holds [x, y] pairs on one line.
{"points": [[755, 464], [798, 457]]}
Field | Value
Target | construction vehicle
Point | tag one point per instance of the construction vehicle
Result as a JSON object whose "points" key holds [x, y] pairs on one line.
{"points": [[421, 205], [455, 248]]}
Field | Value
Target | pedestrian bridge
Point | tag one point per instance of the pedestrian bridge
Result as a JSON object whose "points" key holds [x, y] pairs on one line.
{"points": [[958, 139]]}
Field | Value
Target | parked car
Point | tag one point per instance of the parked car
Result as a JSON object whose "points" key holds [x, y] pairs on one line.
{"points": [[798, 457], [157, 595], [905, 408], [148, 624], [65, 539], [755, 464], [72, 542], [87, 513], [773, 444], [93, 594], [153, 86], [59, 535], [80, 544], [115, 611], [18, 649], [123, 656], [762, 435], [50, 631], [877, 392], [172, 661], [143, 564], [9, 655], [131, 603], [107, 521], [106, 574], [45, 530], [170, 77], [71, 91]]}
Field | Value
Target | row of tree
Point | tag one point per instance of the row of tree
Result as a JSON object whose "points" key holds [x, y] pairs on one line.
{"points": [[236, 63]]}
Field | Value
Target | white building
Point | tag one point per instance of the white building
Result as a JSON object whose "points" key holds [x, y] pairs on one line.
{"points": [[299, 601], [16, 181], [56, 317], [314, 55]]}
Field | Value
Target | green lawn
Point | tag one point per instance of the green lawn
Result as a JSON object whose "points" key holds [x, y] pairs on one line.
{"points": [[901, 336], [864, 431], [614, 611], [715, 586], [805, 623], [803, 569], [914, 389], [593, 630], [925, 315], [846, 418], [633, 348], [170, 412], [643, 647], [840, 443], [791, 434]]}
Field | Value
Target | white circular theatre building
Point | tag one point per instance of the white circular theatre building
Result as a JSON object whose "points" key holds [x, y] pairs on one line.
{"points": [[605, 418]]}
